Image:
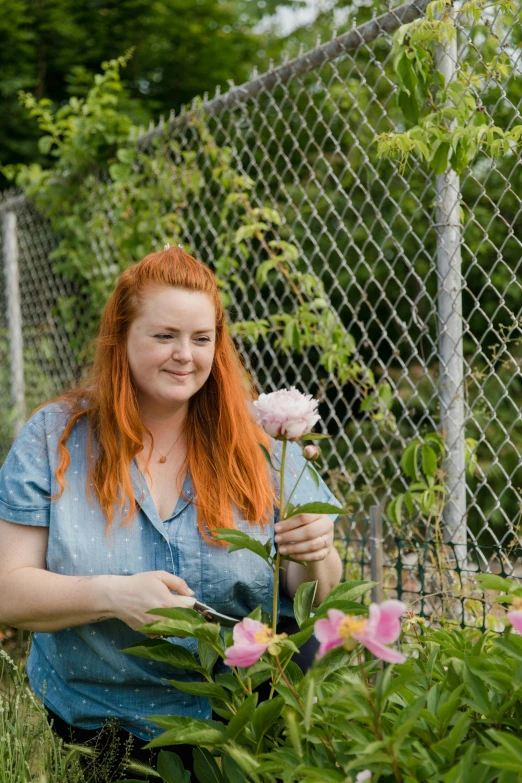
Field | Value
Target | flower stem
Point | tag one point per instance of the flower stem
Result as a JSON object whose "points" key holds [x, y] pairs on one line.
{"points": [[288, 683], [378, 726], [278, 554]]}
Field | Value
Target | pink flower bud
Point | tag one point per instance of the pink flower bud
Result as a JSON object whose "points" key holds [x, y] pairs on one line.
{"points": [[310, 452]]}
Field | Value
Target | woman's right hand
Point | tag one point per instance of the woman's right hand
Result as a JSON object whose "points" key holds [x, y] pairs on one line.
{"points": [[133, 595]]}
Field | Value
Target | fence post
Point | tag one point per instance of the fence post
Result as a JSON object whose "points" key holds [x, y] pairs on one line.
{"points": [[451, 359], [14, 318], [376, 553]]}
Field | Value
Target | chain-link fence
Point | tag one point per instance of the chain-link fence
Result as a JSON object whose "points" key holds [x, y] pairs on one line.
{"points": [[421, 272]]}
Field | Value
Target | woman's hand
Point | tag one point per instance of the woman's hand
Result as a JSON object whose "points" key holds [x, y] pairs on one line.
{"points": [[307, 537], [132, 596]]}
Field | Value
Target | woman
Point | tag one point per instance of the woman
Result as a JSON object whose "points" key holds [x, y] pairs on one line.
{"points": [[110, 494]]}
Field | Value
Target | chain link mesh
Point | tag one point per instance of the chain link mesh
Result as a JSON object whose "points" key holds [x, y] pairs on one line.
{"points": [[365, 228]]}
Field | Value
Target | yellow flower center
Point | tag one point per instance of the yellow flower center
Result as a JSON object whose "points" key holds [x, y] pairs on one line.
{"points": [[350, 625], [264, 636]]}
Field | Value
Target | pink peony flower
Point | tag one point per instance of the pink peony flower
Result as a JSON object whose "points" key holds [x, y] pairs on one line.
{"points": [[515, 618], [382, 627], [251, 639], [310, 452], [364, 775], [287, 413]]}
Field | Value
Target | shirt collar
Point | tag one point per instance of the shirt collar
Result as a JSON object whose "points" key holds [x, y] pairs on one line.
{"points": [[145, 502]]}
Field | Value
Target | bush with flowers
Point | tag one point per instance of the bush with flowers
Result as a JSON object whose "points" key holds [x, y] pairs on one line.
{"points": [[446, 706]]}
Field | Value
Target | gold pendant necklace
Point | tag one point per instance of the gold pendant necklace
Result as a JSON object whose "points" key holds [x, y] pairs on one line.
{"points": [[163, 457]]}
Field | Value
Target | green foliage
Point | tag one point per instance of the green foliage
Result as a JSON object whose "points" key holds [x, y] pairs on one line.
{"points": [[451, 712], [446, 124], [53, 49], [422, 462]]}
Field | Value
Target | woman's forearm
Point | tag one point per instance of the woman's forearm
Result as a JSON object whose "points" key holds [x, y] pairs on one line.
{"points": [[327, 572], [37, 600]]}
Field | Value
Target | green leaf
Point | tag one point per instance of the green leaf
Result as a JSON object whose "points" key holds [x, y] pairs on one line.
{"points": [[317, 775], [494, 582], [477, 690], [241, 755], [242, 717], [347, 591], [126, 155], [320, 508], [439, 162], [171, 769], [266, 715], [239, 540], [314, 474], [119, 172], [232, 770], [304, 600], [429, 461], [406, 73], [208, 632], [409, 460], [268, 457], [314, 436], [173, 654], [205, 768], [394, 509], [409, 106], [178, 613], [207, 655], [44, 144], [182, 730], [201, 689], [511, 755], [436, 441]]}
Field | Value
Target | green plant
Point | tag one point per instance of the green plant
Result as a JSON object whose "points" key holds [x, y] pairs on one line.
{"points": [[446, 123], [451, 712], [29, 750]]}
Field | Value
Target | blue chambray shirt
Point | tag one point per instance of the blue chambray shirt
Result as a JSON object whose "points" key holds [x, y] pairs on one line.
{"points": [[79, 672]]}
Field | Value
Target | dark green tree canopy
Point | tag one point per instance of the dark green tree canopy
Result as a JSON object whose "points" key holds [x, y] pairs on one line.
{"points": [[182, 49]]}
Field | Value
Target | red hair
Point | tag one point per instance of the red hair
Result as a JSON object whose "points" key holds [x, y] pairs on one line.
{"points": [[226, 465]]}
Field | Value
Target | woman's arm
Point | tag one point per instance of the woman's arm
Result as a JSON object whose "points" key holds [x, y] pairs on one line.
{"points": [[312, 542], [38, 600]]}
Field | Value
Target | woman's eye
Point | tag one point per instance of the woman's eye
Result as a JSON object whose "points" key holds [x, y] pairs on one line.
{"points": [[204, 339], [163, 336]]}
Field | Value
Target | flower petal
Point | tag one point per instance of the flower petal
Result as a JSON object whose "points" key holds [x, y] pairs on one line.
{"points": [[244, 632], [387, 654], [244, 655], [384, 622], [515, 618], [327, 645]]}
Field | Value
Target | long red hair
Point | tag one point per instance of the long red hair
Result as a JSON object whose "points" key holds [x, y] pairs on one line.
{"points": [[226, 465]]}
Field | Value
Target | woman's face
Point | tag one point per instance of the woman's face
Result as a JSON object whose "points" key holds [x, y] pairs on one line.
{"points": [[170, 348]]}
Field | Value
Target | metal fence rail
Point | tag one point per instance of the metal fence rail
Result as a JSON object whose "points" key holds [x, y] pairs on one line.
{"points": [[423, 274]]}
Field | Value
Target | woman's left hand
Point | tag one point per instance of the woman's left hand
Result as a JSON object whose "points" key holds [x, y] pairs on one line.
{"points": [[307, 537]]}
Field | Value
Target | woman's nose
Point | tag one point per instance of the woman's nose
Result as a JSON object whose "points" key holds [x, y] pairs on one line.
{"points": [[182, 352]]}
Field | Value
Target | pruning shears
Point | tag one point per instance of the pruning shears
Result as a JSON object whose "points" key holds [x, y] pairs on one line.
{"points": [[213, 616]]}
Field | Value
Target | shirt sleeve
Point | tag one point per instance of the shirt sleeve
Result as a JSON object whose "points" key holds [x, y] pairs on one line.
{"points": [[25, 477], [300, 490]]}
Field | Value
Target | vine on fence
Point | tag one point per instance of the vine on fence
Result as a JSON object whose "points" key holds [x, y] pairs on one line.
{"points": [[105, 197], [446, 123]]}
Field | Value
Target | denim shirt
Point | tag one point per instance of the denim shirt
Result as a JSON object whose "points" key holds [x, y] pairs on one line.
{"points": [[79, 672]]}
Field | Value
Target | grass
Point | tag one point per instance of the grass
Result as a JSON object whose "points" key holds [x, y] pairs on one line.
{"points": [[29, 749], [30, 752]]}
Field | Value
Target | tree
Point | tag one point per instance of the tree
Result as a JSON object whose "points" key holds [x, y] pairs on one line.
{"points": [[183, 48]]}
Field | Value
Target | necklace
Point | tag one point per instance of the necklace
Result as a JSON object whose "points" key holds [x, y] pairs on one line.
{"points": [[163, 457]]}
